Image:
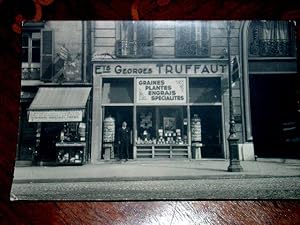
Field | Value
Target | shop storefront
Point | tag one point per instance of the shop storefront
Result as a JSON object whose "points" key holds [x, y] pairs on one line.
{"points": [[169, 106], [59, 114]]}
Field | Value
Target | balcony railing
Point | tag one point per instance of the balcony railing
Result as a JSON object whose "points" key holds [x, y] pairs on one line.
{"points": [[134, 49], [271, 48], [30, 73], [192, 48]]}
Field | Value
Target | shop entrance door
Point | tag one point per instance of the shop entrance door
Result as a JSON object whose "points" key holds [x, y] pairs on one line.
{"points": [[50, 133], [211, 130], [273, 103], [120, 114]]}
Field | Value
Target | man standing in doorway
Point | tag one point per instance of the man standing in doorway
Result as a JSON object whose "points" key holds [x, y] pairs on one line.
{"points": [[123, 138]]}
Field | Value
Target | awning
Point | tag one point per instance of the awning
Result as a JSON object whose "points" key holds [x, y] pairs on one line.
{"points": [[59, 104]]}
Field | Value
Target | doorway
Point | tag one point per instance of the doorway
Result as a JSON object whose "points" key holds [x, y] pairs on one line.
{"points": [[120, 114], [211, 130], [273, 104]]}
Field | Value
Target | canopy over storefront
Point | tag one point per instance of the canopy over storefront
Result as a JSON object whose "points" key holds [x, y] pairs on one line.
{"points": [[59, 104]]}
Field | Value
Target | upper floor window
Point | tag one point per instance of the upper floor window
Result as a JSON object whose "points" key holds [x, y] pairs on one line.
{"points": [[192, 39], [31, 47], [134, 39], [271, 39], [31, 55]]}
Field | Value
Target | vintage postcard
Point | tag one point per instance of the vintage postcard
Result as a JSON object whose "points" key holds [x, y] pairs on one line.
{"points": [[158, 110]]}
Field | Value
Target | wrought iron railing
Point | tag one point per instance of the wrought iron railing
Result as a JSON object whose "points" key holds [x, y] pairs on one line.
{"points": [[134, 49], [192, 48], [31, 73], [271, 48]]}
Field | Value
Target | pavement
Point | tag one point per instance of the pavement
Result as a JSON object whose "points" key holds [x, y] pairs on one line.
{"points": [[140, 170]]}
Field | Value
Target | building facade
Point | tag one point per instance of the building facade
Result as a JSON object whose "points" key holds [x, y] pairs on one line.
{"points": [[54, 72], [163, 77], [169, 80]]}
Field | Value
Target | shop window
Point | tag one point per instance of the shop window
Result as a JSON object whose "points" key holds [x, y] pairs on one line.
{"points": [[62, 143], [271, 39], [192, 39], [117, 91], [134, 39], [162, 125], [205, 90], [31, 55]]}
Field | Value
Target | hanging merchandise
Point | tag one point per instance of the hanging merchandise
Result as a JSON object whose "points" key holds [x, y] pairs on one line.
{"points": [[81, 131], [109, 130], [196, 128]]}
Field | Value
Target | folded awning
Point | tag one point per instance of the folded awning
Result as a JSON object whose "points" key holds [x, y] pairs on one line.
{"points": [[59, 104]]}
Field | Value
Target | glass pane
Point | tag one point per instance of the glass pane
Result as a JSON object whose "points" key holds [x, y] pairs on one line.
{"points": [[127, 31], [117, 90], [185, 31], [25, 39], [205, 90], [24, 54], [36, 43], [146, 124], [173, 123], [36, 35], [162, 125], [36, 55]]}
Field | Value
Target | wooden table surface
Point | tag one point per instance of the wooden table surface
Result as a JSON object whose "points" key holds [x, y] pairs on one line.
{"points": [[156, 212]]}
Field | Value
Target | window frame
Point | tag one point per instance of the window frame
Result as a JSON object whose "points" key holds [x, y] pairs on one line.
{"points": [[30, 69], [133, 47], [30, 47], [255, 36], [200, 29]]}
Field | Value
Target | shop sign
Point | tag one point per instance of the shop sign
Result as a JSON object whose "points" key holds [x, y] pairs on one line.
{"points": [[161, 91], [162, 69], [56, 116]]}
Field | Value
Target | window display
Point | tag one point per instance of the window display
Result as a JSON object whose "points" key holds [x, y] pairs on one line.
{"points": [[70, 143], [162, 125]]}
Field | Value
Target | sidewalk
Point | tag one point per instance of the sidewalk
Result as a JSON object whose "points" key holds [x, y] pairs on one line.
{"points": [[156, 170]]}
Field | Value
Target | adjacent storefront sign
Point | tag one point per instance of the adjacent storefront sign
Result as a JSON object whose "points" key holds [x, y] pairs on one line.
{"points": [[161, 69], [161, 90], [56, 116]]}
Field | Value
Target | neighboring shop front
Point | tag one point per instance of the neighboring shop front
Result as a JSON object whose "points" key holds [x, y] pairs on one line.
{"points": [[169, 106], [59, 115], [270, 86], [52, 65]]}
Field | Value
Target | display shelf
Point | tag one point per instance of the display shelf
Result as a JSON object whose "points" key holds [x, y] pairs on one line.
{"points": [[162, 151], [70, 153], [70, 144]]}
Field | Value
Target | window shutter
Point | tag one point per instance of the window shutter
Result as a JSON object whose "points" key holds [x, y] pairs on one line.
{"points": [[47, 55]]}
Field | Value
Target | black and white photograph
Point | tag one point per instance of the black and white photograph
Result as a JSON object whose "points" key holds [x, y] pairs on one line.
{"points": [[158, 110]]}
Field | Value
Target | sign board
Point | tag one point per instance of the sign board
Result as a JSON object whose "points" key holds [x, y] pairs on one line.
{"points": [[56, 116], [161, 91], [192, 68]]}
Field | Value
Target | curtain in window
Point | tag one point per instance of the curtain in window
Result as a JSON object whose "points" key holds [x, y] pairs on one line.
{"points": [[127, 31], [186, 31], [275, 30], [191, 39], [135, 39], [270, 38]]}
